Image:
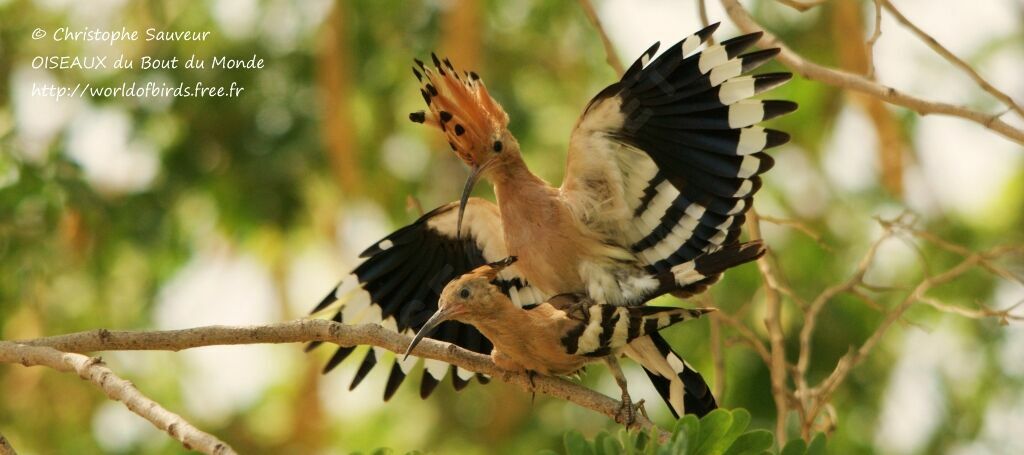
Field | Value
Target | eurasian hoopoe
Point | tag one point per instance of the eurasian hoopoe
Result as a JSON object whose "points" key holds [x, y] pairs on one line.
{"points": [[556, 337], [662, 168]]}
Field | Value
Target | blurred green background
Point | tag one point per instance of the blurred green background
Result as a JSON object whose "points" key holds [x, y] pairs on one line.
{"points": [[134, 213]]}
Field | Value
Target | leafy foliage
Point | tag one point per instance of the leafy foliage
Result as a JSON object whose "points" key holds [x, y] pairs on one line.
{"points": [[722, 432]]}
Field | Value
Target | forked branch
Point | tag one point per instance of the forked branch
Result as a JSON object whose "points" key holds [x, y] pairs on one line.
{"points": [[858, 83], [93, 370], [306, 330]]}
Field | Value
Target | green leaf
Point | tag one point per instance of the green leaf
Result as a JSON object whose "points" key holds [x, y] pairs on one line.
{"points": [[686, 428], [817, 445], [599, 443], [610, 446], [576, 444], [740, 421], [628, 439], [677, 445], [641, 442], [713, 427], [605, 444], [752, 443], [721, 432], [795, 447]]}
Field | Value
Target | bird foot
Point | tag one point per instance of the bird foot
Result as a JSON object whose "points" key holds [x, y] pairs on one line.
{"points": [[626, 415], [643, 410]]}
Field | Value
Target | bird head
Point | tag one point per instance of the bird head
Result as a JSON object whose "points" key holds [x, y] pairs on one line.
{"points": [[474, 124], [467, 298]]}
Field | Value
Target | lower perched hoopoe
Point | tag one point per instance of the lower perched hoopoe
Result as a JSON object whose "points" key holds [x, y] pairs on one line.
{"points": [[662, 167], [556, 337]]}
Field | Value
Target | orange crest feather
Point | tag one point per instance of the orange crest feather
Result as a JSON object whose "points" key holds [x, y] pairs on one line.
{"points": [[461, 107]]}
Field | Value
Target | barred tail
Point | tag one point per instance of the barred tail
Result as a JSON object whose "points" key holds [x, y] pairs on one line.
{"points": [[682, 387], [694, 276]]}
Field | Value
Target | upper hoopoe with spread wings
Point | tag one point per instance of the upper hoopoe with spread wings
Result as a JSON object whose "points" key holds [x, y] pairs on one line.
{"points": [[662, 166]]}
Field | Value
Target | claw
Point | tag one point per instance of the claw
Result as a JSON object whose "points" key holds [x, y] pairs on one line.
{"points": [[626, 415]]}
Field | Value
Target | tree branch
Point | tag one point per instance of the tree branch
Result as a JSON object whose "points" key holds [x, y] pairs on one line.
{"points": [[746, 335], [305, 330], [776, 337], [609, 49], [93, 370], [864, 85], [870, 43], [799, 226], [952, 58]]}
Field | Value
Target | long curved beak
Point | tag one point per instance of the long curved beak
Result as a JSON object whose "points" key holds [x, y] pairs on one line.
{"points": [[441, 315], [474, 176]]}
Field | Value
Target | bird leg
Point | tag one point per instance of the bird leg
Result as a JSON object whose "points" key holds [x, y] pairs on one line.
{"points": [[627, 411]]}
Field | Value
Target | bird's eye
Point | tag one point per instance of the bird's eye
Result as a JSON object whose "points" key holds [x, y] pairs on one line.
{"points": [[464, 293], [498, 146]]}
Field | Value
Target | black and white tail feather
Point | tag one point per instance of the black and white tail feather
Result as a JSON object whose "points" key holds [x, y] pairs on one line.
{"points": [[399, 283]]}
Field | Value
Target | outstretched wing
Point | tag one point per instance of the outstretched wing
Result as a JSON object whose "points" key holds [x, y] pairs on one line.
{"points": [[399, 283], [665, 161]]}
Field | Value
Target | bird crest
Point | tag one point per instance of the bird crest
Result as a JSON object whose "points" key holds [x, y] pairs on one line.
{"points": [[461, 106]]}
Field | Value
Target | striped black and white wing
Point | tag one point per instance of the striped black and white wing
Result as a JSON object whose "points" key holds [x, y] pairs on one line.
{"points": [[665, 161], [603, 329], [401, 278]]}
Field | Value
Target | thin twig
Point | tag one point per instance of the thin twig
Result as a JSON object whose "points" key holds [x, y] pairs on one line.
{"points": [[776, 337], [609, 49], [877, 33], [952, 58], [305, 330], [982, 312], [812, 310], [803, 390], [93, 370], [746, 335], [702, 11], [961, 250], [799, 226], [846, 364], [861, 84]]}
